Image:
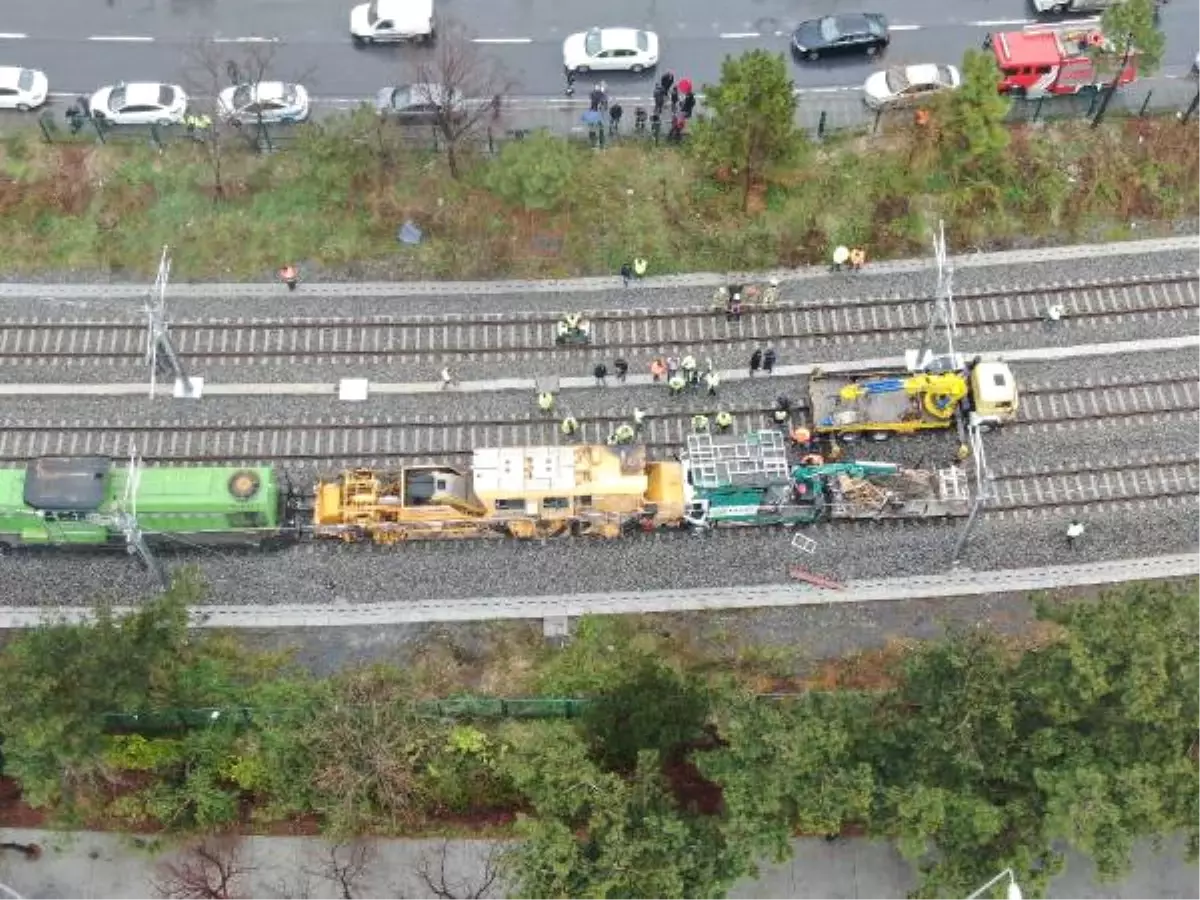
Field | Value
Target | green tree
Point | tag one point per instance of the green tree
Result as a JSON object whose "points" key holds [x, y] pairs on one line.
{"points": [[596, 834], [58, 680], [974, 119], [533, 172], [1131, 28], [752, 125], [790, 768]]}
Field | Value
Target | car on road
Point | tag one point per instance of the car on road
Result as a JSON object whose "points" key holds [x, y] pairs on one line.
{"points": [[417, 104], [392, 21], [139, 103], [22, 89], [610, 50], [902, 86], [268, 102], [849, 33]]}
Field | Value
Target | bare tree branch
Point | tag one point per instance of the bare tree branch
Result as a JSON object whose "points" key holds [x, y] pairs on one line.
{"points": [[209, 870], [431, 869], [346, 866], [466, 88]]}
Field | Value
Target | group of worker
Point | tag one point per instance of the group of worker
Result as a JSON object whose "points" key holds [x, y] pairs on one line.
{"points": [[573, 325], [731, 297], [681, 374], [852, 257]]}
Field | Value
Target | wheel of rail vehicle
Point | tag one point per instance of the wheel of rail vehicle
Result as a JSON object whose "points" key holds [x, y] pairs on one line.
{"points": [[244, 484]]}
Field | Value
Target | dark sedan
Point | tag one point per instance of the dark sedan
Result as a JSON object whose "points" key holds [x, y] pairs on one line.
{"points": [[865, 33]]}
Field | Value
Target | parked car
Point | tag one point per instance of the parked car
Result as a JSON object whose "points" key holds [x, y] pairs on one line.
{"points": [[865, 33], [22, 89], [140, 103], [416, 104], [392, 21], [269, 102], [901, 86], [610, 50]]}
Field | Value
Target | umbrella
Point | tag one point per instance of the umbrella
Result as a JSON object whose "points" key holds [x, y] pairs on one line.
{"points": [[592, 117], [685, 86]]}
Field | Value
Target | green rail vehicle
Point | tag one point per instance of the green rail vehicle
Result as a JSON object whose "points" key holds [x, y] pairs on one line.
{"points": [[89, 502]]}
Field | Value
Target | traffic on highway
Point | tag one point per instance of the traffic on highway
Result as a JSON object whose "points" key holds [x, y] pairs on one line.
{"points": [[886, 50]]}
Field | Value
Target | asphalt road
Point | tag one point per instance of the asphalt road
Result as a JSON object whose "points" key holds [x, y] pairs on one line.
{"points": [[83, 44]]}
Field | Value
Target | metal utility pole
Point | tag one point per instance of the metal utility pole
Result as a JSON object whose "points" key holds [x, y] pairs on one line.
{"points": [[127, 521], [160, 350], [984, 490], [941, 312]]}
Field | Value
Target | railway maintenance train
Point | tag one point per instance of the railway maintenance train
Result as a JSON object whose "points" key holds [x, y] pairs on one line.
{"points": [[521, 492]]}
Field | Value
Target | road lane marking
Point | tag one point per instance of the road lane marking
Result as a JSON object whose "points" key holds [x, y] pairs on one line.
{"points": [[994, 23], [12, 36], [245, 40], [521, 40], [904, 27], [127, 38], [738, 35]]}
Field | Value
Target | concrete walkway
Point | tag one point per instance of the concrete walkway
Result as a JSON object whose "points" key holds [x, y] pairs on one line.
{"points": [[959, 583], [315, 389], [260, 290], [90, 864]]}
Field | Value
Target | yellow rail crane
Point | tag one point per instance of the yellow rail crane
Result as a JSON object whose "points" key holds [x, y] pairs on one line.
{"points": [[524, 492]]}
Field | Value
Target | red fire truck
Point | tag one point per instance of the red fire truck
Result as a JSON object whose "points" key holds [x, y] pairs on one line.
{"points": [[1053, 60]]}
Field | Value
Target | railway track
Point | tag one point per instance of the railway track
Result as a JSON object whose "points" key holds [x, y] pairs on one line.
{"points": [[637, 332], [1096, 483], [338, 442]]}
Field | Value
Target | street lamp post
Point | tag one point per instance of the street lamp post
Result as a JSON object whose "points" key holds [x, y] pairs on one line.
{"points": [[1014, 889]]}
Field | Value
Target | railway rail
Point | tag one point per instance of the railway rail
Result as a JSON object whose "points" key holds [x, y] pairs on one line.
{"points": [[1045, 490], [794, 324], [336, 442]]}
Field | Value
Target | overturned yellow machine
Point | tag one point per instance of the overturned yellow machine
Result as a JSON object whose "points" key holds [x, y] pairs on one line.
{"points": [[524, 492]]}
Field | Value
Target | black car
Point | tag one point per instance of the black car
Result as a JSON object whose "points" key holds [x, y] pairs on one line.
{"points": [[850, 33]]}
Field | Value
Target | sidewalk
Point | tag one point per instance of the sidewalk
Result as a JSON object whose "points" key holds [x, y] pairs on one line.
{"points": [[98, 865]]}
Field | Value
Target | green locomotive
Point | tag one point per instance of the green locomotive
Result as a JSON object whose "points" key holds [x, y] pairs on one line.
{"points": [[82, 501]]}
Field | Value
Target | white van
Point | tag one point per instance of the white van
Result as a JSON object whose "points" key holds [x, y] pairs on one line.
{"points": [[391, 21]]}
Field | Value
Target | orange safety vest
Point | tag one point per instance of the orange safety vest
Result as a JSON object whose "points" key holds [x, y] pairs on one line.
{"points": [[801, 435], [658, 367]]}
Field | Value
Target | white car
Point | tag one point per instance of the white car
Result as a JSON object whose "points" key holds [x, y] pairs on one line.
{"points": [[611, 50], [390, 21], [22, 89], [140, 103], [909, 85], [269, 102]]}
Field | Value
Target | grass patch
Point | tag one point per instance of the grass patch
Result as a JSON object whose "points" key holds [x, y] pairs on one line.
{"points": [[335, 200]]}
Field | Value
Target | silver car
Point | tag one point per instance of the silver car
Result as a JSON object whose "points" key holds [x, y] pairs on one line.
{"points": [[417, 104], [269, 102]]}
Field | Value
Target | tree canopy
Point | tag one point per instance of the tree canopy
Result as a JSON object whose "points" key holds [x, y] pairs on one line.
{"points": [[974, 130], [752, 125], [533, 172], [981, 753]]}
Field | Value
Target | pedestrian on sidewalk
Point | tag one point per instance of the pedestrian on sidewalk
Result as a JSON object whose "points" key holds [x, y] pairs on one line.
{"points": [[667, 81], [614, 118], [660, 99], [640, 265], [674, 97], [601, 373], [1074, 532], [570, 83], [768, 362], [447, 377], [626, 273], [689, 105], [756, 361], [639, 120]]}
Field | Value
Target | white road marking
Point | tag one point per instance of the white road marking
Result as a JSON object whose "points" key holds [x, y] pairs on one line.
{"points": [[12, 36], [993, 23], [245, 40], [905, 27], [736, 35], [502, 40], [127, 38]]}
